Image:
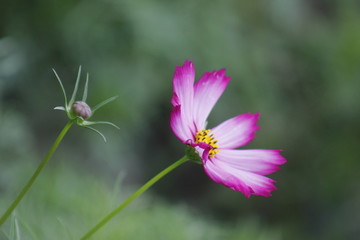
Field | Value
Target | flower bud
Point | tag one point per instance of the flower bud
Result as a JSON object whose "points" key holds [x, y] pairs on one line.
{"points": [[81, 109]]}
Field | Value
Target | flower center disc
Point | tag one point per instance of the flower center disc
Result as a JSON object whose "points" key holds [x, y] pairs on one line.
{"points": [[204, 136]]}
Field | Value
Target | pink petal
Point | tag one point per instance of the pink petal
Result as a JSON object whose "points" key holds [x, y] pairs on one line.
{"points": [[175, 101], [255, 160], [207, 92], [183, 88], [237, 131], [246, 182], [179, 126]]}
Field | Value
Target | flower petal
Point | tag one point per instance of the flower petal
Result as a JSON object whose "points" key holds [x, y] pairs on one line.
{"points": [[237, 131], [183, 90], [179, 126], [207, 91], [223, 177], [246, 182], [258, 161]]}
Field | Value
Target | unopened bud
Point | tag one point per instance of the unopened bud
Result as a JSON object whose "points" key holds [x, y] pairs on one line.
{"points": [[81, 109]]}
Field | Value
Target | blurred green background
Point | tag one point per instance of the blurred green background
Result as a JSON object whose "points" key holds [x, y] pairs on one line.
{"points": [[296, 62]]}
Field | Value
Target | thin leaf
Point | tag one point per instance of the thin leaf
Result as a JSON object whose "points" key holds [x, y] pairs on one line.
{"points": [[116, 189], [62, 87], [88, 123], [72, 100], [66, 228], [14, 229], [86, 88], [103, 103], [26, 226], [3, 235], [17, 230], [97, 131]]}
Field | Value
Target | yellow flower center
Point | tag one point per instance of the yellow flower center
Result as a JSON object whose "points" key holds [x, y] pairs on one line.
{"points": [[204, 136]]}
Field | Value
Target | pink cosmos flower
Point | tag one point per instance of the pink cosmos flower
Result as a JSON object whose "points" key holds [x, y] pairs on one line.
{"points": [[240, 170]]}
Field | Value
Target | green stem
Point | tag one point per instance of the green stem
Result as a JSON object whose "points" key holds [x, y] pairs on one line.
{"points": [[134, 196], [36, 173]]}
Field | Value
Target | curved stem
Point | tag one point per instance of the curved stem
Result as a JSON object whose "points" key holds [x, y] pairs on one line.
{"points": [[134, 196], [36, 173]]}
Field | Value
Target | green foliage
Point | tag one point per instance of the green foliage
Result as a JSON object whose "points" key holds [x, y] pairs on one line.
{"points": [[67, 212], [296, 62]]}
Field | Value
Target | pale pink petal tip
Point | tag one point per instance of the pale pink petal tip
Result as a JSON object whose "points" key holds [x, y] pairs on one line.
{"points": [[237, 131], [186, 68], [280, 160], [183, 86], [220, 73]]}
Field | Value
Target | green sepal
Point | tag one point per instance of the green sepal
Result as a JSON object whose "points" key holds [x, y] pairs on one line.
{"points": [[86, 88], [72, 100], [97, 131], [103, 103], [88, 123], [192, 154], [61, 108], [62, 88]]}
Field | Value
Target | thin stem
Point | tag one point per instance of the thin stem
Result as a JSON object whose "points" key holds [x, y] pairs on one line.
{"points": [[36, 173], [134, 196]]}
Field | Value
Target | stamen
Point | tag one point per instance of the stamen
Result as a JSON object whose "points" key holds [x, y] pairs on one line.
{"points": [[204, 137]]}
